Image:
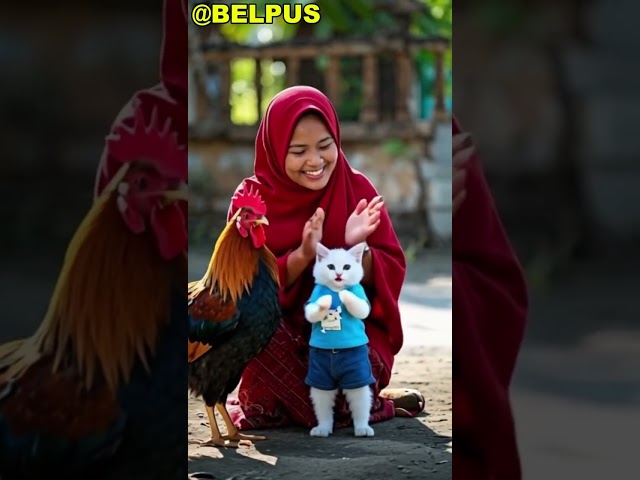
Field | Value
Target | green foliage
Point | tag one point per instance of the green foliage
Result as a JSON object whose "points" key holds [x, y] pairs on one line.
{"points": [[438, 20], [350, 89], [356, 18], [243, 95], [398, 148], [395, 147], [247, 33], [243, 92], [352, 17]]}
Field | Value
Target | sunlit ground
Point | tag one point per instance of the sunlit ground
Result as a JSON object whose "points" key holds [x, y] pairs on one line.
{"points": [[411, 447]]}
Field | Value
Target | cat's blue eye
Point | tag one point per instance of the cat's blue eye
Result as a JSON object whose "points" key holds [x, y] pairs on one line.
{"points": [[331, 266], [347, 267]]}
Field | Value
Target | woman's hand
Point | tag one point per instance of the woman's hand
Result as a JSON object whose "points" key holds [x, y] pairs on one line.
{"points": [[312, 234], [301, 257], [462, 149], [363, 221]]}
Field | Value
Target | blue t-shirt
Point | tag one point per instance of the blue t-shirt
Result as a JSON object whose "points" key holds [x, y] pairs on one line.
{"points": [[351, 333]]}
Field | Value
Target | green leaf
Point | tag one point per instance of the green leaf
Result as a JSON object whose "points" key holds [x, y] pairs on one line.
{"points": [[332, 12], [394, 147]]}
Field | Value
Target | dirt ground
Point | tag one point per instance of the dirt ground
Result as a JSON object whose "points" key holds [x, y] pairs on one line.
{"points": [[410, 448], [576, 390]]}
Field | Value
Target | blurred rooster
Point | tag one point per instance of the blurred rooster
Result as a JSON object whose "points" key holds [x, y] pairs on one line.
{"points": [[97, 378], [233, 312]]}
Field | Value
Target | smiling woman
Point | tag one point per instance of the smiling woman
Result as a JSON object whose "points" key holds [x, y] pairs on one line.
{"points": [[312, 195], [312, 153]]}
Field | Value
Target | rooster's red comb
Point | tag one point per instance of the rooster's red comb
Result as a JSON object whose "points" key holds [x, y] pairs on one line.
{"points": [[150, 143], [249, 198]]}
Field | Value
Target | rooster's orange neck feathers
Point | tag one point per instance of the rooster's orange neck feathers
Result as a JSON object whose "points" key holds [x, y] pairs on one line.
{"points": [[233, 265], [109, 303]]}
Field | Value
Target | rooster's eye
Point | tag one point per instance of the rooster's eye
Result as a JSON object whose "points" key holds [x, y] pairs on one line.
{"points": [[141, 183], [246, 216]]}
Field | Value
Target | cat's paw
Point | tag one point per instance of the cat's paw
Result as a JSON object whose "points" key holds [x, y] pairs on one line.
{"points": [[363, 431], [324, 302], [321, 431], [356, 306], [345, 296]]}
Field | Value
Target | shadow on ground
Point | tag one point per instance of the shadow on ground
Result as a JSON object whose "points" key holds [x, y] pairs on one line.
{"points": [[402, 448], [576, 390], [583, 335], [408, 448]]}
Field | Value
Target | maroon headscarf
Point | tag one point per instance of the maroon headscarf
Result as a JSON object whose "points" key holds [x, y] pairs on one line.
{"points": [[155, 106], [489, 314], [290, 205], [174, 61]]}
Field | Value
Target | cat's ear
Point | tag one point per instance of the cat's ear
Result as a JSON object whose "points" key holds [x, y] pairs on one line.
{"points": [[321, 252], [357, 251]]}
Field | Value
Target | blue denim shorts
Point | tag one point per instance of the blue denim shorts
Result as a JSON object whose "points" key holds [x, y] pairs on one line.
{"points": [[345, 368]]}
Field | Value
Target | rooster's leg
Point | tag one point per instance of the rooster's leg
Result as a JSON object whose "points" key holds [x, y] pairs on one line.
{"points": [[216, 439], [232, 432]]}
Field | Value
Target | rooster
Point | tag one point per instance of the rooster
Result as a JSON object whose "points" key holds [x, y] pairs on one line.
{"points": [[96, 379], [233, 312]]}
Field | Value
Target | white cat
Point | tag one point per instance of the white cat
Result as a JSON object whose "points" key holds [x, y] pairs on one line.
{"points": [[336, 309]]}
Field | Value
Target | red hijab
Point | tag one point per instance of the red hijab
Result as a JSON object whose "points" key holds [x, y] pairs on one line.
{"points": [[162, 103], [290, 205], [489, 314]]}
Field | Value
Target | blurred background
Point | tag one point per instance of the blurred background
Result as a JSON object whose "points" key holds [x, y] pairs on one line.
{"points": [[551, 92], [386, 66], [66, 73]]}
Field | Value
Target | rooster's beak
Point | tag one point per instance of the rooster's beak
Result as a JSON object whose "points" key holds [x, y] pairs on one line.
{"points": [[182, 193], [261, 221]]}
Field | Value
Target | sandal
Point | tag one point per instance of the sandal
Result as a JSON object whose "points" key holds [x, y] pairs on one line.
{"points": [[408, 402]]}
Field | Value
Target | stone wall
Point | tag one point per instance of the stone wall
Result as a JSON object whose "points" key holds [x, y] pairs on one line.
{"points": [[553, 103], [409, 176]]}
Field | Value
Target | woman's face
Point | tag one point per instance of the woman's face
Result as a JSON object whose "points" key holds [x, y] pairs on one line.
{"points": [[312, 154]]}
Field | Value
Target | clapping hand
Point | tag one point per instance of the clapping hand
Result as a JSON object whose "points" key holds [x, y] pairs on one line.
{"points": [[363, 221]]}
